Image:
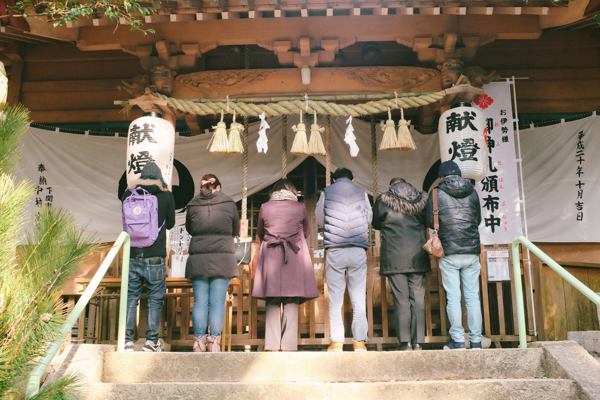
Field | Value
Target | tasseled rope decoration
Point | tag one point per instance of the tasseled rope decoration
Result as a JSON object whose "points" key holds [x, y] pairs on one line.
{"points": [[235, 141], [405, 140], [219, 143], [389, 141], [300, 145], [315, 145]]}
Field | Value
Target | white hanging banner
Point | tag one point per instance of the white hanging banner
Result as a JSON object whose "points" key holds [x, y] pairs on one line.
{"points": [[499, 190], [561, 170]]}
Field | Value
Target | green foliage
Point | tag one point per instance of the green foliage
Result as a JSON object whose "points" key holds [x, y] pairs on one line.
{"points": [[64, 389], [129, 12], [11, 131], [32, 271]]}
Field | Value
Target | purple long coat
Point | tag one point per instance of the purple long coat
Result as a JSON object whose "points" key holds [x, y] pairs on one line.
{"points": [[283, 229]]}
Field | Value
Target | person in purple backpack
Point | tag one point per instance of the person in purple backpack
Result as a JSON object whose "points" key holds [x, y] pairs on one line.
{"points": [[147, 265]]}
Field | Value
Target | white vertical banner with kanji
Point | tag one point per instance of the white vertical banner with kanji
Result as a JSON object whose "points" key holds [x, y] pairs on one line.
{"points": [[499, 190]]}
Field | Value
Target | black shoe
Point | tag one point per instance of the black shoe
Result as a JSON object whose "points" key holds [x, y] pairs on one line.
{"points": [[416, 347], [404, 346], [152, 347], [452, 345]]}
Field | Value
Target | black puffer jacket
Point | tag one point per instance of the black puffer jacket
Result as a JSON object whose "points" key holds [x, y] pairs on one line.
{"points": [[213, 222], [400, 216], [460, 216]]}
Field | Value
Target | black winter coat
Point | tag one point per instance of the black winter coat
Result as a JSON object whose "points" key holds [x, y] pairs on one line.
{"points": [[400, 216], [459, 214], [213, 221]]}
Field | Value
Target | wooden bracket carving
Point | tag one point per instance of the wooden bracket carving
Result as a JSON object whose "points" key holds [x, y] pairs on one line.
{"points": [[169, 55], [439, 49]]}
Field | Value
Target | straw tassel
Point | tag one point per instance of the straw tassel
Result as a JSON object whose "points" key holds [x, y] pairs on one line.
{"points": [[235, 141], [405, 140], [389, 141], [219, 143], [300, 145], [315, 145]]}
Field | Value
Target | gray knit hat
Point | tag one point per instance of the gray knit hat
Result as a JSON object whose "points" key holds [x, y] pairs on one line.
{"points": [[152, 171]]}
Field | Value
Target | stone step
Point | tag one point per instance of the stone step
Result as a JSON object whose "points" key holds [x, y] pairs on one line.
{"points": [[317, 367], [497, 389]]}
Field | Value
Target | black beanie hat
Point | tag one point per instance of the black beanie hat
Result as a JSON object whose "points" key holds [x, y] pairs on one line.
{"points": [[152, 171], [449, 168]]}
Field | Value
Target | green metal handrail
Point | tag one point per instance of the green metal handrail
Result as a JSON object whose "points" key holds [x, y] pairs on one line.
{"points": [[33, 386], [587, 292]]}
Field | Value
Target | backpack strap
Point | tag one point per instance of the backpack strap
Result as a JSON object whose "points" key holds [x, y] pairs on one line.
{"points": [[436, 211]]}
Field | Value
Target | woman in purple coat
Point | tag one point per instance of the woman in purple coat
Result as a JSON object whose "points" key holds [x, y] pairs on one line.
{"points": [[284, 270]]}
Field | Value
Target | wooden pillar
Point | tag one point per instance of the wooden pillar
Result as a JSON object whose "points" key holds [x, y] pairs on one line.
{"points": [[244, 219], [374, 156], [327, 152], [16, 74]]}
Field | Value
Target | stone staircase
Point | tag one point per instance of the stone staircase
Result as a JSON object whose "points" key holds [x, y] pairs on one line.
{"points": [[549, 370], [486, 374]]}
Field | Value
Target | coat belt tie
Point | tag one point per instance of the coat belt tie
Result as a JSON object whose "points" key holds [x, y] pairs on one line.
{"points": [[288, 241]]}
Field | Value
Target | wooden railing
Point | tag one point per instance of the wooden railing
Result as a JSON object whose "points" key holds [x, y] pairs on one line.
{"points": [[498, 300]]}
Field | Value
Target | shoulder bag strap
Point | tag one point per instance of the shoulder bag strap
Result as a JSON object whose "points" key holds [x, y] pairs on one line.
{"points": [[436, 211]]}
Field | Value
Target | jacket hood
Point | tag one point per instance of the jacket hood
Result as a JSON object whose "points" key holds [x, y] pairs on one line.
{"points": [[217, 197], [403, 197], [456, 186], [153, 187], [145, 183]]}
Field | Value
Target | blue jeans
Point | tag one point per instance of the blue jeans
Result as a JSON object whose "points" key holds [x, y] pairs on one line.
{"points": [[467, 267], [209, 293], [150, 271], [348, 262]]}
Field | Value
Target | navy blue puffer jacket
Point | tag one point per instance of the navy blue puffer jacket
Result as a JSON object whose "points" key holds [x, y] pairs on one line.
{"points": [[460, 216]]}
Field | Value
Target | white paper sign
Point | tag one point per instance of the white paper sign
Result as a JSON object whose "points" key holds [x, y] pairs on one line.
{"points": [[498, 268], [179, 240], [499, 191], [178, 265]]}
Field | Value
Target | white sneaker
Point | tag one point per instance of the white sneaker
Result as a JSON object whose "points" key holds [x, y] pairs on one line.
{"points": [[151, 347], [129, 347]]}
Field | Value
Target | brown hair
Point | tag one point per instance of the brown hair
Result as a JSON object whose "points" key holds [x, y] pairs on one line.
{"points": [[207, 188], [283, 184]]}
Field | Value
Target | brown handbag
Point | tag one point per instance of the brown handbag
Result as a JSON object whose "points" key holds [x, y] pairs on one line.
{"points": [[433, 245]]}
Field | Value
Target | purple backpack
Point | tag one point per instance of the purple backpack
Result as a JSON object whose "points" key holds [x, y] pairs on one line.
{"points": [[140, 217]]}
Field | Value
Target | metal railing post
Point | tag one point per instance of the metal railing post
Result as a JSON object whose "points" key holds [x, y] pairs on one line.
{"points": [[519, 294], [123, 305], [33, 385]]}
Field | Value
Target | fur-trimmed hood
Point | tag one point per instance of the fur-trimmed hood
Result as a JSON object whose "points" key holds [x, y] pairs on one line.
{"points": [[403, 197]]}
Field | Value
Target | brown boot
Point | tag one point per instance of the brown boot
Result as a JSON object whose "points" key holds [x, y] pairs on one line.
{"points": [[213, 344], [200, 344]]}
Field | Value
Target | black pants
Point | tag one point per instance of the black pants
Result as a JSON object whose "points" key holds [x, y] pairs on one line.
{"points": [[409, 306]]}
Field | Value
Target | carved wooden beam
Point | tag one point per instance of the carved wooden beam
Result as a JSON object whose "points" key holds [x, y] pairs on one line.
{"points": [[287, 82]]}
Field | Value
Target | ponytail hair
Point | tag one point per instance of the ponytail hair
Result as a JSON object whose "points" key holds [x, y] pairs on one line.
{"points": [[208, 183]]}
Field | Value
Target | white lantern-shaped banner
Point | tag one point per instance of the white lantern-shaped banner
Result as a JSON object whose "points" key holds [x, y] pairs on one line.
{"points": [[150, 138], [462, 140]]}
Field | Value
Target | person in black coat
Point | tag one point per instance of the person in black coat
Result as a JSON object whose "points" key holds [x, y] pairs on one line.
{"points": [[459, 219], [213, 221], [400, 216]]}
